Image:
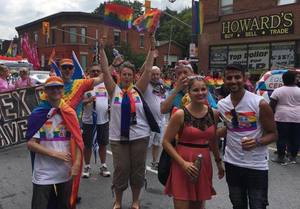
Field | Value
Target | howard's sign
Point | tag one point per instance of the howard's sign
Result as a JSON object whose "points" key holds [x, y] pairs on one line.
{"points": [[276, 24]]}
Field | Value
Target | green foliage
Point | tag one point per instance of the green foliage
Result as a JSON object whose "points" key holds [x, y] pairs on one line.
{"points": [[125, 49], [181, 33], [136, 5]]}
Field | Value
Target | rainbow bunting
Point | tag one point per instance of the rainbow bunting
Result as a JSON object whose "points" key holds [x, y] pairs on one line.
{"points": [[149, 21], [117, 15], [198, 16]]}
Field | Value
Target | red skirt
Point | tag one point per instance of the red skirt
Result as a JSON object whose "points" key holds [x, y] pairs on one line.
{"points": [[179, 184]]}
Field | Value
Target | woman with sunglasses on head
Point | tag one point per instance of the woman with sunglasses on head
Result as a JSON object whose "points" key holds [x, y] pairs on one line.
{"points": [[195, 126], [129, 130]]}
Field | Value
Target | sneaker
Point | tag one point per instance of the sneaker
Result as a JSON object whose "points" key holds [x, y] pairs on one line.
{"points": [[279, 160], [104, 171], [154, 166], [292, 160], [86, 172]]}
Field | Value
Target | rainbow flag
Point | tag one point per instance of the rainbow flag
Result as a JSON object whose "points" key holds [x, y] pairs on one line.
{"points": [[198, 16], [149, 21], [117, 15]]}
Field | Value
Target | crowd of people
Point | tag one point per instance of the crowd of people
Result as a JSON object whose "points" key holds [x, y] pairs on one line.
{"points": [[118, 108], [7, 84]]}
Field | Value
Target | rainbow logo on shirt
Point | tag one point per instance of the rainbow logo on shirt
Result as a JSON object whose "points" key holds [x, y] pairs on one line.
{"points": [[247, 121], [118, 98]]}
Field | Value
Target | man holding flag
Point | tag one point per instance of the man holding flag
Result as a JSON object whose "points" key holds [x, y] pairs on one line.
{"points": [[54, 139]]}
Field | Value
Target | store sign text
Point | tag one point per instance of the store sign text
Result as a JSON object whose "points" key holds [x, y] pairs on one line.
{"points": [[276, 24]]}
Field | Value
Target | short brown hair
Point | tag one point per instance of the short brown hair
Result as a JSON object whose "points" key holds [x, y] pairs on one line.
{"points": [[129, 65]]}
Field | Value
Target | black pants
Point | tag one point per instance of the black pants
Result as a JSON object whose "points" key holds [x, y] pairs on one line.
{"points": [[247, 185], [45, 196], [288, 135]]}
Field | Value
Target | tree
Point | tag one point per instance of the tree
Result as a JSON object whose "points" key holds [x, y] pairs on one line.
{"points": [[181, 33], [136, 5], [125, 49]]}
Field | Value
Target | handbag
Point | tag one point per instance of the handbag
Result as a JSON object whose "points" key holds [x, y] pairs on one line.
{"points": [[164, 165], [149, 115]]}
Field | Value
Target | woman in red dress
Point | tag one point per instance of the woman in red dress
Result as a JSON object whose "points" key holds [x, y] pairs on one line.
{"points": [[195, 126]]}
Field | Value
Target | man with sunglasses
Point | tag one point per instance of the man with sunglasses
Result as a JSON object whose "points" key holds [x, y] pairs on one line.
{"points": [[95, 122], [74, 89], [250, 128]]}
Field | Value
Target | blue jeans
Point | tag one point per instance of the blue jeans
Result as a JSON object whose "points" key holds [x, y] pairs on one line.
{"points": [[247, 185]]}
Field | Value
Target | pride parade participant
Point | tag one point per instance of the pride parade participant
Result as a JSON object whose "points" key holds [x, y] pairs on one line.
{"points": [[24, 80], [75, 89], [54, 138], [129, 129], [5, 85]]}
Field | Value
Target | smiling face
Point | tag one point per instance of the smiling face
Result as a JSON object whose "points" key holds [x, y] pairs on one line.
{"points": [[234, 80], [126, 77], [198, 91], [54, 93], [67, 72], [95, 71], [155, 75], [4, 72]]}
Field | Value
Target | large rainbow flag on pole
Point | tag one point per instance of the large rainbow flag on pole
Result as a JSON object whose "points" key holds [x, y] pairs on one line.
{"points": [[198, 16], [117, 15], [149, 21]]}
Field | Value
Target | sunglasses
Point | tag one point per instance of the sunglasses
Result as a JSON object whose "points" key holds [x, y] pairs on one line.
{"points": [[234, 120], [95, 71], [65, 67]]}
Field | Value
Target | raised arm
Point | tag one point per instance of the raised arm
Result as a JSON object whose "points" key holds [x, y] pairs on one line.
{"points": [[108, 80], [145, 78], [166, 106]]}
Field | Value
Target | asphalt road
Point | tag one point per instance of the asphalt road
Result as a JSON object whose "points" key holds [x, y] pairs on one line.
{"points": [[16, 188]]}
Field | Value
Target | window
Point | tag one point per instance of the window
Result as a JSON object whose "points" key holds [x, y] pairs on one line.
{"points": [[284, 2], [142, 40], [73, 37], [226, 7], [117, 37], [53, 36], [36, 37], [83, 61], [63, 35], [83, 37]]}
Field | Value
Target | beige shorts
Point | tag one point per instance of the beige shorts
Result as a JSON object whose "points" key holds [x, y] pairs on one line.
{"points": [[129, 162]]}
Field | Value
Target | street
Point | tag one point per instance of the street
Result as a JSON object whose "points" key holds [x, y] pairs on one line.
{"points": [[16, 191]]}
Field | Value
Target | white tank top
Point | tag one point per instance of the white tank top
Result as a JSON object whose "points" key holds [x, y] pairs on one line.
{"points": [[138, 131], [249, 125]]}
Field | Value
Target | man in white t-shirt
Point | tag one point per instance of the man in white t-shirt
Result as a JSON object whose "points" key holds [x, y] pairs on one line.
{"points": [[53, 170], [154, 95], [250, 128], [95, 127], [285, 102]]}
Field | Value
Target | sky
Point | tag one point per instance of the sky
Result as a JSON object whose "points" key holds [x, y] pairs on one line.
{"points": [[19, 12]]}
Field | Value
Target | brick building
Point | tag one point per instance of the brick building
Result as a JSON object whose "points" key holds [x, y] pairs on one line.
{"points": [[85, 24], [169, 53], [257, 34]]}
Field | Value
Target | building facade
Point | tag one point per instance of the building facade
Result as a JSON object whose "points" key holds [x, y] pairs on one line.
{"points": [[63, 29], [169, 52], [260, 35]]}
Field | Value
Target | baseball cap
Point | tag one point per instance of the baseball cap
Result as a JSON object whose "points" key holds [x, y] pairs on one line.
{"points": [[66, 61], [54, 81]]}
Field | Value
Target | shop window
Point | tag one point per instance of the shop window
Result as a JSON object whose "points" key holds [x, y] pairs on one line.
{"points": [[283, 54], [73, 38], [284, 2], [83, 35], [226, 7], [117, 37], [142, 40]]}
